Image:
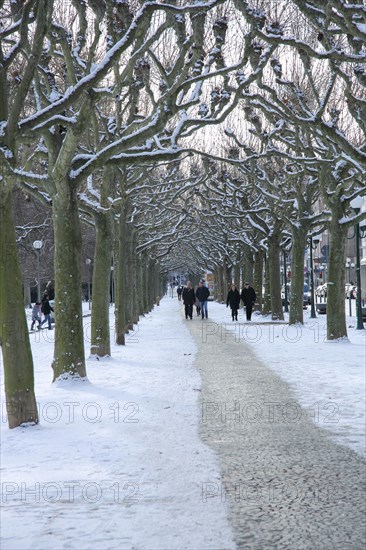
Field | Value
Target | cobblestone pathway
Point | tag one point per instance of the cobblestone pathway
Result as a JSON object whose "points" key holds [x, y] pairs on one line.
{"points": [[287, 484]]}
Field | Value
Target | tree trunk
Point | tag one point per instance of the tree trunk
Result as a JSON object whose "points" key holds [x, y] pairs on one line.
{"points": [[267, 289], [248, 265], [130, 280], [258, 278], [274, 273], [27, 294], [21, 404], [145, 282], [336, 315], [219, 284], [297, 275], [100, 337], [69, 357], [120, 299]]}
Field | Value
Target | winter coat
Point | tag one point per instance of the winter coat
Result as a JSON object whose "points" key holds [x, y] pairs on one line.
{"points": [[46, 308], [202, 293], [179, 290], [248, 296], [189, 297], [233, 298]]}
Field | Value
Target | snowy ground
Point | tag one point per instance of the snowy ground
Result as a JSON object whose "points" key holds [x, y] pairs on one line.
{"points": [[328, 378], [117, 461]]}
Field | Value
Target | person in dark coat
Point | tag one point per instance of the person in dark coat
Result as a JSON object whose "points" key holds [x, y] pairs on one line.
{"points": [[249, 297], [46, 310], [179, 292], [202, 293], [233, 299], [189, 299]]}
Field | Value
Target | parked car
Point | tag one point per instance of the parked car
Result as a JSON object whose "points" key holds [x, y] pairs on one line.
{"points": [[306, 299]]}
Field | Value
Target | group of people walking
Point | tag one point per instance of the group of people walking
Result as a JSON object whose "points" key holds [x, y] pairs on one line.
{"points": [[39, 308], [248, 297], [196, 298], [199, 298]]}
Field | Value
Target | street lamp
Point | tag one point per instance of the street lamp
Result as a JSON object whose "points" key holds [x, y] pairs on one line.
{"points": [[37, 245], [349, 264], [313, 242], [88, 263], [356, 204]]}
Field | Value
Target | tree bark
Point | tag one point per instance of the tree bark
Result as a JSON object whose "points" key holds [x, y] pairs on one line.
{"points": [[274, 273], [69, 356], [258, 278], [100, 335], [297, 275], [267, 289], [336, 315], [120, 300], [21, 404]]}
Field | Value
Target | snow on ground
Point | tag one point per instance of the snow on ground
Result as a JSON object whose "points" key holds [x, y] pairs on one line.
{"points": [[328, 378], [116, 462]]}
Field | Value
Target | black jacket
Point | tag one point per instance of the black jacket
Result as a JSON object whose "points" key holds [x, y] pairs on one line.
{"points": [[248, 296], [233, 298], [46, 308], [189, 297], [202, 293]]}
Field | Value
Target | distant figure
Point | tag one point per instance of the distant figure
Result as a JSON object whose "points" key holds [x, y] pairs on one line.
{"points": [[189, 299], [36, 315], [248, 296], [202, 293], [46, 310], [233, 298], [179, 292]]}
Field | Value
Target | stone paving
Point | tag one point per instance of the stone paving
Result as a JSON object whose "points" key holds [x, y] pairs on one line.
{"points": [[287, 485]]}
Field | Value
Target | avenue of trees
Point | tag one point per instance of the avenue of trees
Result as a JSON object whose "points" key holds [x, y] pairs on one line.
{"points": [[188, 135]]}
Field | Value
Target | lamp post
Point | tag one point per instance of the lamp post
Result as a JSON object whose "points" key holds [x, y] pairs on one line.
{"points": [[349, 264], [356, 204], [313, 242], [88, 263], [37, 245]]}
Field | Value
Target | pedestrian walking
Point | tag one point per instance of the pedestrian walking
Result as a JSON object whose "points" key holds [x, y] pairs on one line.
{"points": [[179, 292], [202, 293], [198, 307], [46, 310], [233, 299], [249, 297], [189, 298], [36, 315]]}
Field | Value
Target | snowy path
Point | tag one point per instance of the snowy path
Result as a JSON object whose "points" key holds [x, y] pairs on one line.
{"points": [[288, 484], [117, 462], [140, 458]]}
